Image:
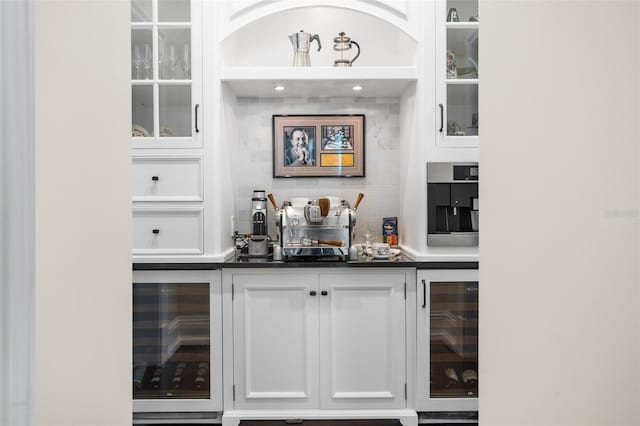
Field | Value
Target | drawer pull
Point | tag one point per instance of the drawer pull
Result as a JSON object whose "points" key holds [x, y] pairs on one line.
{"points": [[312, 293], [156, 231], [155, 178], [324, 292]]}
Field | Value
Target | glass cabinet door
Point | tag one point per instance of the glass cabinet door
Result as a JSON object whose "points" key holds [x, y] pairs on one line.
{"points": [[165, 82], [458, 74], [448, 371], [453, 339], [174, 340]]}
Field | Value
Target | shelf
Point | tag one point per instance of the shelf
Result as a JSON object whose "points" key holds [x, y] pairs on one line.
{"points": [[463, 81], [463, 25], [319, 81]]}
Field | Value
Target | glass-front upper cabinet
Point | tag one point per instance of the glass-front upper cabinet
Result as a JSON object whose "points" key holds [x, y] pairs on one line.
{"points": [[457, 24], [448, 340], [177, 341], [165, 73]]}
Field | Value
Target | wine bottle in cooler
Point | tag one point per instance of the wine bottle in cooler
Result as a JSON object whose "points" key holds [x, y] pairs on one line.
{"points": [[176, 382], [139, 370], [452, 378], [156, 378], [202, 375]]}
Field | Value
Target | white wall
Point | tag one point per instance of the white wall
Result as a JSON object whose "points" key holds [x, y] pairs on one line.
{"points": [[559, 328], [83, 214]]}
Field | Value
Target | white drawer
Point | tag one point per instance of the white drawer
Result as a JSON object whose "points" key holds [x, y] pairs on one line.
{"points": [[176, 178], [170, 230]]}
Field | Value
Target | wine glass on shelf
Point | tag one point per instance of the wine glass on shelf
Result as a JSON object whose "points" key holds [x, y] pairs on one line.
{"points": [[162, 57], [173, 61], [137, 60], [186, 61], [148, 57]]}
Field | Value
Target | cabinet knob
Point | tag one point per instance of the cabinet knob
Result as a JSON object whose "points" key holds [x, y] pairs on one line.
{"points": [[312, 293], [155, 178], [156, 231], [324, 292]]}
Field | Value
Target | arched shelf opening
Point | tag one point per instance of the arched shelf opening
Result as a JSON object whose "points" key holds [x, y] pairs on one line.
{"points": [[264, 42]]}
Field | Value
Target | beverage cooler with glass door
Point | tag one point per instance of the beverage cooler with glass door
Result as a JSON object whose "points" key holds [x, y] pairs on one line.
{"points": [[448, 371], [177, 341]]}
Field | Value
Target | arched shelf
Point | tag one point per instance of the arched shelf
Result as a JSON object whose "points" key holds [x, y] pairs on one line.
{"points": [[240, 13], [255, 58]]}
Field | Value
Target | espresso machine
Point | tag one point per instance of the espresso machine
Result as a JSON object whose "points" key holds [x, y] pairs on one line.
{"points": [[259, 238], [312, 229], [452, 204]]}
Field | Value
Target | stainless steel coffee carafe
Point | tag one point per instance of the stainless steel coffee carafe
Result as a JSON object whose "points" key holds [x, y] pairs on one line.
{"points": [[342, 45], [301, 42]]}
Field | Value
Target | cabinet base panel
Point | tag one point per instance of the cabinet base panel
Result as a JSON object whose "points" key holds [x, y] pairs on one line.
{"points": [[321, 418]]}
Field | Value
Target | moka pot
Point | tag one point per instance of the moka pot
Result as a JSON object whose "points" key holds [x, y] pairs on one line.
{"points": [[301, 42]]}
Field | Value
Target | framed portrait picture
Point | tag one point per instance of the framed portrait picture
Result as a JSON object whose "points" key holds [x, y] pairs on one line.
{"points": [[318, 145]]}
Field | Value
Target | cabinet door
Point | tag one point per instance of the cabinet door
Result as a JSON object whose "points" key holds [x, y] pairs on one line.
{"points": [[177, 341], [362, 340], [447, 340], [275, 338], [166, 73], [457, 26]]}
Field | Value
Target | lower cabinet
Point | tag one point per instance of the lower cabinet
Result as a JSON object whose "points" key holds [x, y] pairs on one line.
{"points": [[314, 339], [447, 344]]}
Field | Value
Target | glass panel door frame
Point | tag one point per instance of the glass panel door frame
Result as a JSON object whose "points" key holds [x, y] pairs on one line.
{"points": [[424, 400], [214, 402]]}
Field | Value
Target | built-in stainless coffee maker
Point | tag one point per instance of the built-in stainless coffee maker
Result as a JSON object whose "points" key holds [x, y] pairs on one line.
{"points": [[452, 204], [259, 238]]}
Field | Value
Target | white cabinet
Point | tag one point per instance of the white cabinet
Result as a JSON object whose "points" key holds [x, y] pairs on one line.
{"points": [[319, 340], [166, 73], [447, 345], [275, 338], [362, 340], [169, 160], [457, 77]]}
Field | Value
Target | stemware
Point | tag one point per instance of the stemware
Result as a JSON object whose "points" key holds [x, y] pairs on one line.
{"points": [[148, 56], [162, 57], [173, 61], [137, 60], [186, 61], [369, 238]]}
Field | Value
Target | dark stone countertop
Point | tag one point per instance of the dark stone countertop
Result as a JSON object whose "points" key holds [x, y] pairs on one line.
{"points": [[401, 261]]}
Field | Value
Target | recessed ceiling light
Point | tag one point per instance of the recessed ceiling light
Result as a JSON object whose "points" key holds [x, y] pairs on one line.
{"points": [[279, 88], [357, 88]]}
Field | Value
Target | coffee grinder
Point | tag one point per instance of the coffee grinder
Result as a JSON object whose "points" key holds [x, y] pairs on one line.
{"points": [[259, 239]]}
